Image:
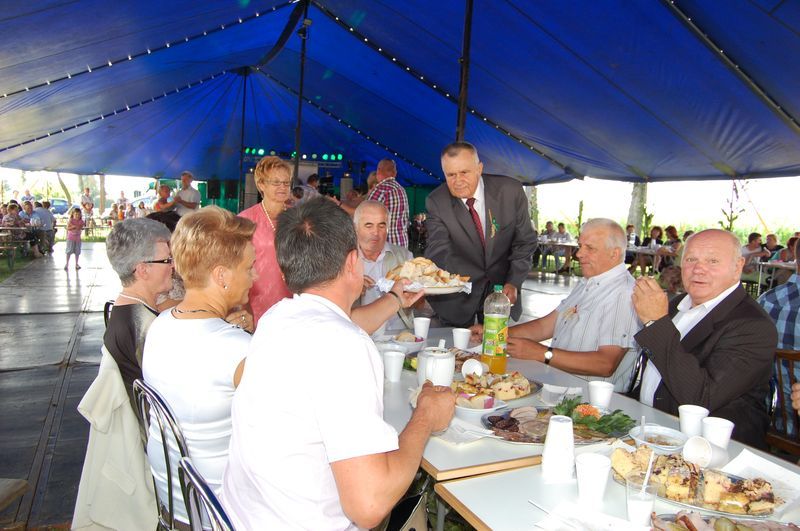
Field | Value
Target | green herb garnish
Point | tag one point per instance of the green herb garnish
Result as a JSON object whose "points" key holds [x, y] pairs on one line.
{"points": [[614, 422]]}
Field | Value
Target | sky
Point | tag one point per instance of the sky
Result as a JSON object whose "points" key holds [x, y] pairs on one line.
{"points": [[769, 204]]}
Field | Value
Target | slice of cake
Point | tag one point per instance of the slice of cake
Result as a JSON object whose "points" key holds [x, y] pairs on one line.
{"points": [[715, 485]]}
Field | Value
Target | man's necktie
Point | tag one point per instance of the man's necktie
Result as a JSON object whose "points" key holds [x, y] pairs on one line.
{"points": [[476, 219]]}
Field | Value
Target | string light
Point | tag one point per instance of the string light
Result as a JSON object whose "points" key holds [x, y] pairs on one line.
{"points": [[115, 112], [349, 126], [419, 76], [732, 64], [148, 51]]}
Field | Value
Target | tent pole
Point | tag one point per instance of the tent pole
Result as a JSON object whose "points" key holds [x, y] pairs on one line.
{"points": [[242, 179], [464, 82], [303, 34]]}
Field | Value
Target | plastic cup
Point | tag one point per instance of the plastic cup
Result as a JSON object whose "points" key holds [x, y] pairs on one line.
{"points": [[473, 367], [692, 419], [702, 453], [461, 337], [592, 471], [718, 431], [558, 455], [640, 501], [393, 364], [600, 393], [421, 326]]}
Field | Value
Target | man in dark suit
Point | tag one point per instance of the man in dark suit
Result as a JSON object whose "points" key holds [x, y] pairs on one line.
{"points": [[478, 226], [713, 347]]}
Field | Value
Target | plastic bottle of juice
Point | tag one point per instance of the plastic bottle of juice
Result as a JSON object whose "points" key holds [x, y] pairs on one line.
{"points": [[496, 309]]}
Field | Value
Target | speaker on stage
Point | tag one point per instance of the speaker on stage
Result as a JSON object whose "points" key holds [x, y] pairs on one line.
{"points": [[212, 189], [231, 189]]}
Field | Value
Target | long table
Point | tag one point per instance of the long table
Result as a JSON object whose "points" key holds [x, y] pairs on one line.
{"points": [[489, 482], [791, 266]]}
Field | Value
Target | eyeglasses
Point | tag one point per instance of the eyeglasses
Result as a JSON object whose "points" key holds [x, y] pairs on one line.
{"points": [[167, 260], [278, 183]]}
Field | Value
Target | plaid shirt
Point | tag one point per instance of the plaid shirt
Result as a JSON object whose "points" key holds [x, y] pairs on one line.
{"points": [[390, 193], [783, 306]]}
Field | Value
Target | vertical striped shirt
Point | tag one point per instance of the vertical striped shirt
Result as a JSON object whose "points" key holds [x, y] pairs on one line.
{"points": [[599, 312], [390, 193]]}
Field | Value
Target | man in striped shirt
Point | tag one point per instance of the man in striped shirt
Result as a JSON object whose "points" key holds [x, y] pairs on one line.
{"points": [[389, 192], [782, 303], [592, 329]]}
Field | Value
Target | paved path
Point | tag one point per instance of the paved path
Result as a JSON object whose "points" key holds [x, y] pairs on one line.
{"points": [[51, 329]]}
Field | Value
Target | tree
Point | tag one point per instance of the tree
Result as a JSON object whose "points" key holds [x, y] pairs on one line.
{"points": [[534, 207], [67, 195], [637, 209], [102, 185]]}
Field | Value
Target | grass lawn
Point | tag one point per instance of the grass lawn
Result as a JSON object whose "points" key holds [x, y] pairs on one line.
{"points": [[20, 263]]}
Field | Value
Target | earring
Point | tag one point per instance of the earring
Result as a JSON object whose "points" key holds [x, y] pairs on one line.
{"points": [[224, 286]]}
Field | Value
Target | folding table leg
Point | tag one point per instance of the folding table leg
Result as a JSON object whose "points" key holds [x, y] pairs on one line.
{"points": [[441, 513]]}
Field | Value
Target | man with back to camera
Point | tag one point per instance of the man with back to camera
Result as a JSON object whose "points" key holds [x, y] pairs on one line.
{"points": [[593, 328], [389, 192], [335, 464], [477, 226], [713, 347], [188, 199]]}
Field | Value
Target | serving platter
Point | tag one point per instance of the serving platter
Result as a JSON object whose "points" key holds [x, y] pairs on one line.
{"points": [[583, 435], [703, 509]]}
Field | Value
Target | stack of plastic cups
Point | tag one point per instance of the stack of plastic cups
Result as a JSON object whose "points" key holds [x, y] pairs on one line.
{"points": [[558, 456]]}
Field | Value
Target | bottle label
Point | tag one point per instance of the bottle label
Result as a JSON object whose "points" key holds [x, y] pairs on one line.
{"points": [[495, 335]]}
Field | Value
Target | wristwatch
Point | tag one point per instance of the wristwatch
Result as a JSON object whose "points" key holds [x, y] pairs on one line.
{"points": [[548, 356]]}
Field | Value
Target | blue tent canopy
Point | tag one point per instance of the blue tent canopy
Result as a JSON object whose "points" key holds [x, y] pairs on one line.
{"points": [[691, 89]]}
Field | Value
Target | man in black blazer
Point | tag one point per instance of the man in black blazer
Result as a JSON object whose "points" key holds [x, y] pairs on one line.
{"points": [[714, 347], [478, 225]]}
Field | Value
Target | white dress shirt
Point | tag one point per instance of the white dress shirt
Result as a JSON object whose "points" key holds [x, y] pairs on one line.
{"points": [[686, 319]]}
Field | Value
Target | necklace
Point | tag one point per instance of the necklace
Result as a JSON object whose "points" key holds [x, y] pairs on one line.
{"points": [[176, 310], [264, 207], [137, 299]]}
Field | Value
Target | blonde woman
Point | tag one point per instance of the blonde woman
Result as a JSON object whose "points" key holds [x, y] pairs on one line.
{"points": [[273, 178], [192, 356]]}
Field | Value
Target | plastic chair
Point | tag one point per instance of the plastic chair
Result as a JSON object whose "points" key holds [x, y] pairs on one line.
{"points": [[784, 429], [107, 307], [197, 493], [148, 401]]}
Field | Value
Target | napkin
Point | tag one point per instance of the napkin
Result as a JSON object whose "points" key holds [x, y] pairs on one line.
{"points": [[384, 284], [785, 483], [461, 432], [551, 395], [568, 516]]}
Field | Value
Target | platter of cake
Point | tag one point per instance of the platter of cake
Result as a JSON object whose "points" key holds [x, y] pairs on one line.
{"points": [[687, 485]]}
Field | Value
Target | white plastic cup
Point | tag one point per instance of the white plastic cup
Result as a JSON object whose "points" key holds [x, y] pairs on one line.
{"points": [[421, 326], [600, 393], [472, 366], [718, 431], [592, 471], [640, 501], [461, 337], [393, 364], [692, 419], [702, 453], [558, 455]]}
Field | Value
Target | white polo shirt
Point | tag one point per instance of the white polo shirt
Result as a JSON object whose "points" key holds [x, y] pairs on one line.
{"points": [[311, 395], [190, 195]]}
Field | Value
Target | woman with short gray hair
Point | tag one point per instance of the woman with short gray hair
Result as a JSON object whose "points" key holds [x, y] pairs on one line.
{"points": [[139, 252]]}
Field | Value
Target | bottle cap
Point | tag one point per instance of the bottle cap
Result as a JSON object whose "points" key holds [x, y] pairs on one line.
{"points": [[498, 288]]}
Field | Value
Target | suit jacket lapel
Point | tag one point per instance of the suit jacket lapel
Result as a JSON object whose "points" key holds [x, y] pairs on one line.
{"points": [[493, 208], [705, 327], [464, 218]]}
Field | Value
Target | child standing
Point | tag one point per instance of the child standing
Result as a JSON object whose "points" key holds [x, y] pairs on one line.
{"points": [[74, 227]]}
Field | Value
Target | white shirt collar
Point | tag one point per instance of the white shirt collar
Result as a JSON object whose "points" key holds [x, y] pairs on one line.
{"points": [[479, 195], [378, 259], [611, 273], [322, 300], [686, 303]]}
